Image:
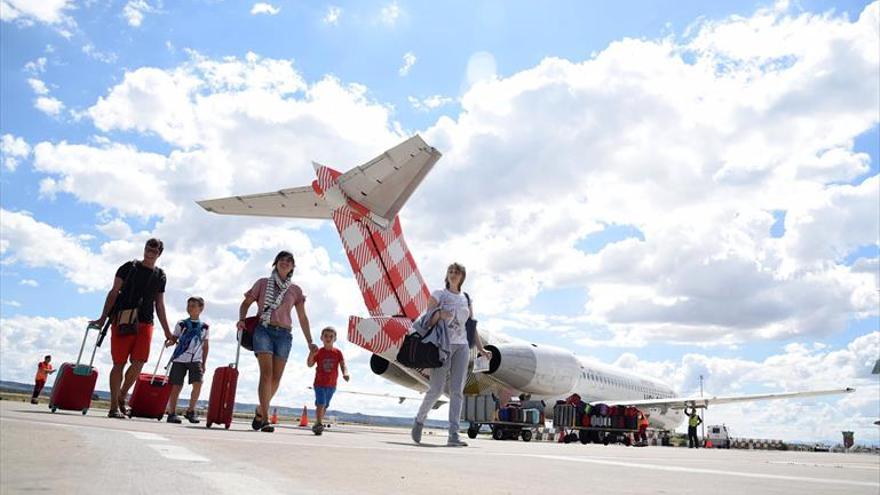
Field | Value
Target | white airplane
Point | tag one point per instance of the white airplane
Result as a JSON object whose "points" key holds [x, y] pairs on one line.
{"points": [[364, 203]]}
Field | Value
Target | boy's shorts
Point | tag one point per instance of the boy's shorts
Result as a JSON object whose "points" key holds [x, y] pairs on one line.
{"points": [[134, 347], [178, 370], [323, 395], [274, 340]]}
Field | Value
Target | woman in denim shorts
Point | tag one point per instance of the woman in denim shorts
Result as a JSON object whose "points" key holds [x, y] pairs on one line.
{"points": [[276, 296]]}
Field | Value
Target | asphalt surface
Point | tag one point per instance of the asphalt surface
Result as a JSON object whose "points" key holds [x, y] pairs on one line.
{"points": [[66, 452]]}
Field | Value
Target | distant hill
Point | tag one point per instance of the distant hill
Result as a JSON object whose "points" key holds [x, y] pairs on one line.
{"points": [[246, 408]]}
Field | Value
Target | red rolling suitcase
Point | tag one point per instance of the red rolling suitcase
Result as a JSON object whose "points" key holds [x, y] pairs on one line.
{"points": [[150, 395], [75, 383], [222, 400]]}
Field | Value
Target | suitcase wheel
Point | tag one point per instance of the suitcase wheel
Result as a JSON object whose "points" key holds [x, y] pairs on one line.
{"points": [[227, 425], [85, 411], [160, 418], [53, 408], [208, 424]]}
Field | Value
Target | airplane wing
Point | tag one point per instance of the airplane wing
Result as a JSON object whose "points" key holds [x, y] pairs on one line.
{"points": [[385, 183], [298, 202], [704, 402]]}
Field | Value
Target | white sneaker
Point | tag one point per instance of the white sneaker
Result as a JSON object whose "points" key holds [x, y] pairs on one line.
{"points": [[456, 443]]}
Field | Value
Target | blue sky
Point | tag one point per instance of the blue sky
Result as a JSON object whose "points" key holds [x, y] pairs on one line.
{"points": [[598, 205]]}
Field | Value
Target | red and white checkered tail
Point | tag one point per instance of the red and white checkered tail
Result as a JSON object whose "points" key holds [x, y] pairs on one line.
{"points": [[383, 266], [381, 336]]}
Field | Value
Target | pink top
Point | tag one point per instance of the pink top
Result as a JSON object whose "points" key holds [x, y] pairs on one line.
{"points": [[281, 315]]}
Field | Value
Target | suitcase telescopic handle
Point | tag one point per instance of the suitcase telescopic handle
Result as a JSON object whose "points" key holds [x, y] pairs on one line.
{"points": [[237, 348], [83, 346], [158, 361]]}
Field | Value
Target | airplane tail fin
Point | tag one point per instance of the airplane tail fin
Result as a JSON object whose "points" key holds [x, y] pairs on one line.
{"points": [[363, 203]]}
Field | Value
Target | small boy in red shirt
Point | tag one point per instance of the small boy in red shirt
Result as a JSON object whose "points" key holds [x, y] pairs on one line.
{"points": [[329, 361]]}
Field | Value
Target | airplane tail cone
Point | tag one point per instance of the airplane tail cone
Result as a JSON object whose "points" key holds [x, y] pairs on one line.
{"points": [[304, 419], [274, 417]]}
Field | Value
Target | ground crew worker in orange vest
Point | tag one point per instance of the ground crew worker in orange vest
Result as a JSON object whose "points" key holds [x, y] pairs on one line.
{"points": [[44, 368]]}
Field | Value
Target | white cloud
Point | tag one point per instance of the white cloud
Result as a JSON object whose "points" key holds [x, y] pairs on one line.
{"points": [[12, 150], [390, 14], [113, 175], [135, 11], [44, 11], [429, 103], [29, 282], [37, 66], [481, 67], [694, 158], [11, 303], [106, 57], [800, 367], [28, 241], [115, 229], [332, 16], [38, 86], [409, 59], [49, 105], [264, 8]]}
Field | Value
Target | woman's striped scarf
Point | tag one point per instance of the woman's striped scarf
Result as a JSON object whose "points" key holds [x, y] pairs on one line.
{"points": [[275, 290]]}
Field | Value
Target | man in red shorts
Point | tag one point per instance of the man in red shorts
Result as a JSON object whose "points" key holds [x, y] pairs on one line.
{"points": [[138, 288]]}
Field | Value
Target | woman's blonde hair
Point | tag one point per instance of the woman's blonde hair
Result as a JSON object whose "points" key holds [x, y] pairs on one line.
{"points": [[460, 268]]}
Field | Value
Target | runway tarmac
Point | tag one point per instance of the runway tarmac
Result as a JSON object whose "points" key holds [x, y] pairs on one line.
{"points": [[66, 452]]}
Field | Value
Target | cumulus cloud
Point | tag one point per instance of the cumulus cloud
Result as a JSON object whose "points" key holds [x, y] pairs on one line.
{"points": [[655, 135], [332, 16], [29, 282], [37, 66], [135, 10], [429, 103], [390, 14], [13, 149], [264, 8], [52, 12], [27, 241], [409, 59], [799, 367], [49, 105], [92, 52], [38, 86]]}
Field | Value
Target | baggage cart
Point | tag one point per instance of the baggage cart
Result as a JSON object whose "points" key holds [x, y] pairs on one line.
{"points": [[506, 423]]}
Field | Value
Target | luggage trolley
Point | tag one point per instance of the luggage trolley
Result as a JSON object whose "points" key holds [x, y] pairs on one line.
{"points": [[601, 428], [507, 423]]}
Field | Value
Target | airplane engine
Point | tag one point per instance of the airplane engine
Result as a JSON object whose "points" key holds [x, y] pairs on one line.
{"points": [[533, 369], [393, 373]]}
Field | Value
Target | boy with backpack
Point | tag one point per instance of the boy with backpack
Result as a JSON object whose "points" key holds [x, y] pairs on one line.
{"points": [[329, 361], [189, 357]]}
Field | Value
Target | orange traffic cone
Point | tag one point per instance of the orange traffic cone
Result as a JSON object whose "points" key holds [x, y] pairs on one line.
{"points": [[708, 443], [304, 419], [274, 418]]}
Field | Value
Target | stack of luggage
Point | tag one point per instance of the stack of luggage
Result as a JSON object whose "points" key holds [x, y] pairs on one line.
{"points": [[480, 408]]}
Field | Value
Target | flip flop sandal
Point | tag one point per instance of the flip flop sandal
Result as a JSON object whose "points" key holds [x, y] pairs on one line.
{"points": [[257, 423], [115, 414]]}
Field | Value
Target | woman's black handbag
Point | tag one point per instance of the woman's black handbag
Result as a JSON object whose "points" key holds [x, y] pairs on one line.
{"points": [[417, 354]]}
